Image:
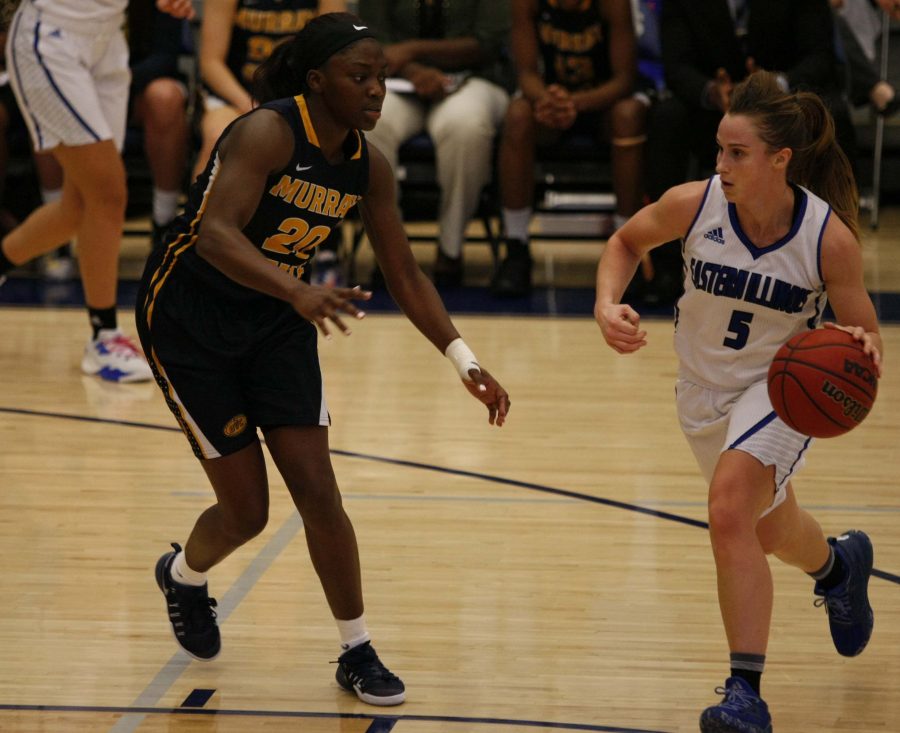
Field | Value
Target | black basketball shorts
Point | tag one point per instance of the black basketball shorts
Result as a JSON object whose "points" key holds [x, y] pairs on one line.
{"points": [[228, 368]]}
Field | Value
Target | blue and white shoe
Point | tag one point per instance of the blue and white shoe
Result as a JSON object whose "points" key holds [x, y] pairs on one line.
{"points": [[741, 710], [850, 616], [115, 357]]}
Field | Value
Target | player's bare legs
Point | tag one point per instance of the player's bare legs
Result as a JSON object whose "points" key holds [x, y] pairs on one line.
{"points": [[793, 535], [302, 457], [740, 490], [45, 227], [93, 206], [240, 512]]}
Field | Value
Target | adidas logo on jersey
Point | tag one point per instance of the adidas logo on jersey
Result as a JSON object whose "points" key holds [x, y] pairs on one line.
{"points": [[715, 235]]}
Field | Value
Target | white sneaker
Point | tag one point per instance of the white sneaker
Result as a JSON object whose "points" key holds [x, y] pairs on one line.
{"points": [[115, 357]]}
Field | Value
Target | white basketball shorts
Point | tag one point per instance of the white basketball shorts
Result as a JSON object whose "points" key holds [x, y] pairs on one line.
{"points": [[70, 78], [715, 421]]}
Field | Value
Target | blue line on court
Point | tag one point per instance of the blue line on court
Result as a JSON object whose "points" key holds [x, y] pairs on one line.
{"points": [[382, 725], [891, 577], [393, 720], [524, 485], [197, 698]]}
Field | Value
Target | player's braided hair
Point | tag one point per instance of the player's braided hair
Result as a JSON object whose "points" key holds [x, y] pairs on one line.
{"points": [[800, 121]]}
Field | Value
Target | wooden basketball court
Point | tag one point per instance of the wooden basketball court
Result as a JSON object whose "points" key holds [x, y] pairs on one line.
{"points": [[551, 575]]}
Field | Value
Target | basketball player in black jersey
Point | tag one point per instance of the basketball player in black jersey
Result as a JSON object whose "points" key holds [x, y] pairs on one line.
{"points": [[229, 324]]}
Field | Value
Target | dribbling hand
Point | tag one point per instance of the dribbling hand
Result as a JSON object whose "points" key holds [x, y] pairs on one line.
{"points": [[488, 390], [321, 305], [870, 347]]}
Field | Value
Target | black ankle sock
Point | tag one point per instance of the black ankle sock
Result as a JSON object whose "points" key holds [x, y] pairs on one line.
{"points": [[516, 248], [829, 578], [752, 678], [102, 318], [5, 264], [748, 667]]}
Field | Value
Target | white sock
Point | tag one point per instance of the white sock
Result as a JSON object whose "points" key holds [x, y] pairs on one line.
{"points": [[516, 223], [353, 632], [183, 574], [49, 195], [165, 205]]}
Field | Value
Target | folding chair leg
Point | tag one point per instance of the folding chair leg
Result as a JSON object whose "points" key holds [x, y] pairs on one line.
{"points": [[876, 171], [879, 123]]}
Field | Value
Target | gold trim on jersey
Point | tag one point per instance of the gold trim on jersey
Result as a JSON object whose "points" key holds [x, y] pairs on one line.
{"points": [[184, 241], [581, 7], [310, 131], [178, 411], [307, 120]]}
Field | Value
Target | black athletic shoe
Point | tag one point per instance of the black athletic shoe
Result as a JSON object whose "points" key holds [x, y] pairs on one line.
{"points": [[190, 612], [513, 277], [361, 671]]}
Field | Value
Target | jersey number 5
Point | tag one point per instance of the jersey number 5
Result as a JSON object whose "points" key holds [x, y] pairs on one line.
{"points": [[740, 327]]}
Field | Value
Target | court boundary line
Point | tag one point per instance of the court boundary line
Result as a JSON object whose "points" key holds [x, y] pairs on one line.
{"points": [[604, 501], [458, 719]]}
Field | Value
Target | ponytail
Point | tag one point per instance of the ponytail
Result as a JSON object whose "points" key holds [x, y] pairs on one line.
{"points": [[275, 77], [822, 166], [802, 123]]}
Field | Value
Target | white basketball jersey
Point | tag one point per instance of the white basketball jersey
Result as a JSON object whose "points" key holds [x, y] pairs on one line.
{"points": [[82, 10], [742, 302]]}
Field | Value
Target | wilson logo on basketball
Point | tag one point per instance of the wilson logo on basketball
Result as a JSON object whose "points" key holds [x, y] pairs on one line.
{"points": [[235, 426], [852, 408], [861, 371]]}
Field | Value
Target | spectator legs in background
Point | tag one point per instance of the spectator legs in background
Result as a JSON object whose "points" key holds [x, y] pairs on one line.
{"points": [[463, 127], [515, 171], [402, 117], [160, 109]]}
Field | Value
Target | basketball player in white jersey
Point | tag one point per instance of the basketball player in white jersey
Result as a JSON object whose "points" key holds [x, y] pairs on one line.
{"points": [[68, 66], [763, 241]]}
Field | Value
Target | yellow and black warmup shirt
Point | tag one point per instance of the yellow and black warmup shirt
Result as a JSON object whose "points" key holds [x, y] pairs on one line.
{"points": [[259, 26], [299, 207], [574, 44]]}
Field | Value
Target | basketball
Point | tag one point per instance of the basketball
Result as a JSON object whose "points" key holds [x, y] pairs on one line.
{"points": [[821, 383]]}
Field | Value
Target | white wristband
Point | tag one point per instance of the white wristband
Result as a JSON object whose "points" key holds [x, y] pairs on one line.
{"points": [[462, 358]]}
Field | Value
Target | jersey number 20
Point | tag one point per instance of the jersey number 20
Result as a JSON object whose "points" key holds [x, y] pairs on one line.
{"points": [[296, 238]]}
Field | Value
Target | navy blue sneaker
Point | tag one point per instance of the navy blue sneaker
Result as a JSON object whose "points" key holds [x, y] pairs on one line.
{"points": [[741, 710], [190, 611], [361, 671], [850, 616]]}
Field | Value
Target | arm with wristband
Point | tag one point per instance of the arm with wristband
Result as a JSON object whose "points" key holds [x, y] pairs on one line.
{"points": [[414, 292]]}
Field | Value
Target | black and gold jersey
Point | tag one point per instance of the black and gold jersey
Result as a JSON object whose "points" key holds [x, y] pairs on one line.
{"points": [[573, 44], [259, 26], [299, 207]]}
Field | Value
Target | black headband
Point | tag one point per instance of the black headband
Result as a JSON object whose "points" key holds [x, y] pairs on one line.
{"points": [[332, 37]]}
